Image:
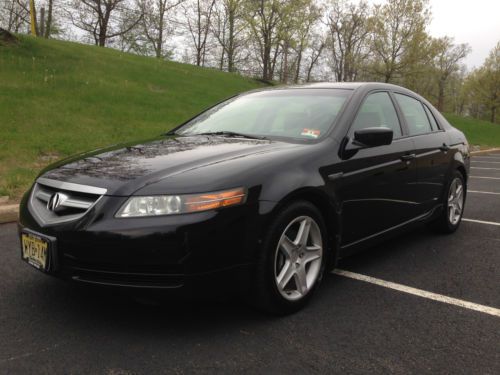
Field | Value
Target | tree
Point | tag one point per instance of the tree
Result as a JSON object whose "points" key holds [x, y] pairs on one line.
{"points": [[155, 24], [263, 18], [349, 33], [100, 18], [316, 49], [48, 23], [447, 62], [198, 22], [307, 21], [399, 29], [15, 15], [227, 27], [484, 85]]}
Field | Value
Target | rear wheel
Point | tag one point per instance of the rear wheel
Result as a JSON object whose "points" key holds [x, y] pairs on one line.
{"points": [[293, 259], [454, 203]]}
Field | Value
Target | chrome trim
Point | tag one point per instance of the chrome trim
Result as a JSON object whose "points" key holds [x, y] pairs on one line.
{"points": [[70, 202], [45, 217], [71, 186]]}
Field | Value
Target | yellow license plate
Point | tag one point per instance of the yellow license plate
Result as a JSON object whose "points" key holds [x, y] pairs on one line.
{"points": [[35, 250]]}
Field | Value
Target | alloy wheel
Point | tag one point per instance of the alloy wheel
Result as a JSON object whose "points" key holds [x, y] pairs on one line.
{"points": [[298, 258]]}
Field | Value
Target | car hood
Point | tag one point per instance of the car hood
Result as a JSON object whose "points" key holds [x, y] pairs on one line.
{"points": [[124, 169]]}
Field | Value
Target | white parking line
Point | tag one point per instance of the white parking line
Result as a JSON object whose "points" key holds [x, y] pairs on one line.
{"points": [[487, 157], [488, 162], [495, 169], [488, 178], [419, 292], [481, 221], [482, 192]]}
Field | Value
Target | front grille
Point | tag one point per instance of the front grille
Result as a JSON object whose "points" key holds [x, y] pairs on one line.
{"points": [[55, 201]]}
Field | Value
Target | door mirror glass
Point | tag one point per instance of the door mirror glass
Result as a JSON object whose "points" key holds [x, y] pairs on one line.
{"points": [[373, 137]]}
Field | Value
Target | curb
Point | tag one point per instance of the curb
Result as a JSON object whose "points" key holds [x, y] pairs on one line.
{"points": [[9, 213], [482, 152]]}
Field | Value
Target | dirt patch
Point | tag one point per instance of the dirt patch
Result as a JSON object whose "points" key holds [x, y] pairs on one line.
{"points": [[6, 38]]}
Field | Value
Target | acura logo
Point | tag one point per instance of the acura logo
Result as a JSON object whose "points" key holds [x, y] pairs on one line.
{"points": [[56, 201]]}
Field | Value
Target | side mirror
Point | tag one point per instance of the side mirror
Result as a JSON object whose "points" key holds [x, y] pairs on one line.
{"points": [[373, 137]]}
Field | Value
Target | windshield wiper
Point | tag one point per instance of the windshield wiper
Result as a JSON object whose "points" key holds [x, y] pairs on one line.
{"points": [[226, 133]]}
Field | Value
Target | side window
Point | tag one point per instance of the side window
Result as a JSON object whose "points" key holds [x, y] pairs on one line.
{"points": [[377, 111], [414, 113], [434, 124]]}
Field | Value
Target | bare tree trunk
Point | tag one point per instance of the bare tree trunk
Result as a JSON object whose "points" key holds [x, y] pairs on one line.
{"points": [[266, 60], [230, 49], [42, 22], [48, 26], [34, 26], [299, 61], [440, 104], [285, 62]]}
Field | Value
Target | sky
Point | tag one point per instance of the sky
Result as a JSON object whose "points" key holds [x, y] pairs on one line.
{"points": [[476, 22]]}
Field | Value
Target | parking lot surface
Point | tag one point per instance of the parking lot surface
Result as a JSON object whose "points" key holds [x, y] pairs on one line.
{"points": [[351, 326]]}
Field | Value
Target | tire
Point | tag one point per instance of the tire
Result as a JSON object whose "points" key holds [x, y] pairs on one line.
{"points": [[289, 254], [453, 206]]}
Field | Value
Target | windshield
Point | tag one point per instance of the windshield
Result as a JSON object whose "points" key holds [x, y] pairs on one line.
{"points": [[301, 114]]}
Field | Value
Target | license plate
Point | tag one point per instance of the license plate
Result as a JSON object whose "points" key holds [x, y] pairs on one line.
{"points": [[35, 250]]}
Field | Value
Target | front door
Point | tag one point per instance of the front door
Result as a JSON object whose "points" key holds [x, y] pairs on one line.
{"points": [[376, 187]]}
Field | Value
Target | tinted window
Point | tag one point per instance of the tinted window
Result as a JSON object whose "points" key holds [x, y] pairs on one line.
{"points": [[378, 111], [431, 118], [414, 113], [295, 113]]}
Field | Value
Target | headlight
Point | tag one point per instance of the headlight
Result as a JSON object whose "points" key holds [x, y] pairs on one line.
{"points": [[180, 204]]}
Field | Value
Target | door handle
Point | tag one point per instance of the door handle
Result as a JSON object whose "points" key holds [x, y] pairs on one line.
{"points": [[408, 157], [444, 147]]}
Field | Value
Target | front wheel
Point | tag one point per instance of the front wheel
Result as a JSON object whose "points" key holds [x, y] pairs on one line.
{"points": [[292, 262], [454, 203]]}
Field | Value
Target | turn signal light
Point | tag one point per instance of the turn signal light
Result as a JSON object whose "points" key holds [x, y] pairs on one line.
{"points": [[212, 201]]}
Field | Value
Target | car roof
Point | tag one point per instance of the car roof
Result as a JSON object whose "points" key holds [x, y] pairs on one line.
{"points": [[343, 85], [362, 87]]}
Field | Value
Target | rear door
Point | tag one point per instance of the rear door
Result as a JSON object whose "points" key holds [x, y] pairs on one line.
{"points": [[376, 184], [431, 148]]}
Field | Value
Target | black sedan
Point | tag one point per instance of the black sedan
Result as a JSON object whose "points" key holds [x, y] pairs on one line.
{"points": [[260, 194]]}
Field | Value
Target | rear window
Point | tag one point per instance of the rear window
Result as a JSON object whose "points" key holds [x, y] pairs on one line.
{"points": [[414, 113], [434, 124]]}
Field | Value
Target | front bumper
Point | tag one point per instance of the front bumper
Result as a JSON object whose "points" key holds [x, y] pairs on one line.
{"points": [[213, 250]]}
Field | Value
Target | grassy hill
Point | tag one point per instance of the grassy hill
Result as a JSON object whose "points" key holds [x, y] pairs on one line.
{"points": [[478, 132], [58, 98]]}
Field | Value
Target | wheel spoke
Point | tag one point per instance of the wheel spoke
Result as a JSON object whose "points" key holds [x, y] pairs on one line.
{"points": [[287, 246], [301, 280], [452, 213], [303, 232], [453, 188], [285, 274], [312, 253]]}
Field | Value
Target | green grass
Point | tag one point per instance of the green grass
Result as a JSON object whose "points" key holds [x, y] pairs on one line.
{"points": [[478, 132], [58, 98]]}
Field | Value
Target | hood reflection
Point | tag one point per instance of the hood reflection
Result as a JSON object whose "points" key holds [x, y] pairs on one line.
{"points": [[127, 162]]}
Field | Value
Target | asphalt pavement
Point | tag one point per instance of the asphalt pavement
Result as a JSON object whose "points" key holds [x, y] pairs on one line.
{"points": [[351, 326]]}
